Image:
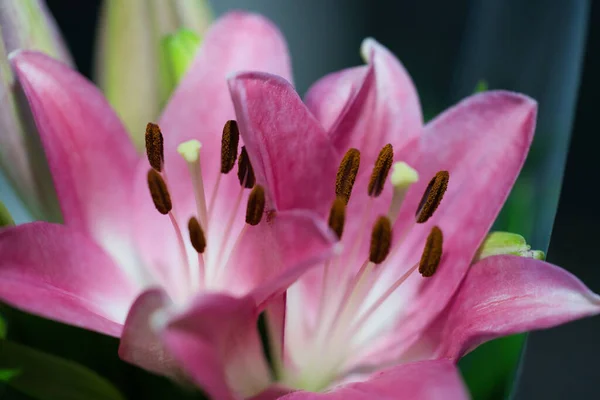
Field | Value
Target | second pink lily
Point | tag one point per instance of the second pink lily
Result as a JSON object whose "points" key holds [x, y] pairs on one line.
{"points": [[403, 289]]}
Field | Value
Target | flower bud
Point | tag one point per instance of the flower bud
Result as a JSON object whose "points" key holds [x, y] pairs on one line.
{"points": [[133, 66], [26, 24], [497, 243]]}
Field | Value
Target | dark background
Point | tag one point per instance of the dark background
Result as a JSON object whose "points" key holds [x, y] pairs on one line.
{"points": [[547, 49]]}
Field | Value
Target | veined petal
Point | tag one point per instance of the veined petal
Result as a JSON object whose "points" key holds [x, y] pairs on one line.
{"points": [[55, 272], [90, 156], [140, 343], [382, 104], [201, 104], [274, 254], [482, 142], [503, 295], [216, 343], [291, 154], [426, 380]]}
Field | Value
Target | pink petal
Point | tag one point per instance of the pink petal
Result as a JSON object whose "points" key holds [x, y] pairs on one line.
{"points": [[291, 154], [420, 381], [140, 344], [503, 295], [274, 254], [482, 142], [201, 104], [382, 104], [89, 153], [53, 271], [330, 97], [217, 345]]}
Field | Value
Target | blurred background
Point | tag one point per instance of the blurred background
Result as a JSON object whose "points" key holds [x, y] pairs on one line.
{"points": [[546, 49]]}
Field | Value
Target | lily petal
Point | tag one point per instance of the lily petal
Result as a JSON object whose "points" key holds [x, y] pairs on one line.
{"points": [[201, 104], [426, 380], [90, 156], [503, 295], [217, 344], [482, 142], [274, 254], [140, 344], [290, 152], [383, 107], [53, 271]]}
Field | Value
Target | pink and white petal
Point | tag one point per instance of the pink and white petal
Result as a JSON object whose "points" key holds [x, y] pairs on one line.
{"points": [[504, 295], [272, 255], [330, 97], [217, 345], [89, 153], [140, 343], [425, 380], [57, 273], [290, 152], [482, 142], [383, 107], [201, 104]]}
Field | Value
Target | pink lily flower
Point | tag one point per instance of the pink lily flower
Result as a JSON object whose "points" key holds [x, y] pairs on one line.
{"points": [[115, 246], [404, 289]]}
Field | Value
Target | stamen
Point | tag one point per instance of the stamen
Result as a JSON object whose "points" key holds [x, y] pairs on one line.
{"points": [[433, 196], [229, 146], [337, 216], [160, 193], [346, 175], [190, 151], [432, 253], [403, 176], [381, 170], [381, 240], [197, 235], [245, 171], [154, 146], [256, 205]]}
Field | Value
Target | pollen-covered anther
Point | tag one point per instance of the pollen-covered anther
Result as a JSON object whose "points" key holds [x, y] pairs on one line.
{"points": [[245, 171], [433, 196], [432, 253], [197, 236], [160, 193], [381, 170], [256, 205], [154, 146], [346, 174], [229, 146], [337, 216], [381, 240]]}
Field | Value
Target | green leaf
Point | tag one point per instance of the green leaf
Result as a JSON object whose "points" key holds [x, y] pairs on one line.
{"points": [[481, 86], [5, 218], [47, 377], [489, 371], [7, 374]]}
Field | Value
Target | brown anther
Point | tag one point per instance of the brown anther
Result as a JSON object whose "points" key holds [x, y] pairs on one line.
{"points": [[229, 146], [245, 171], [433, 196], [337, 216], [381, 240], [154, 146], [256, 205], [160, 193], [432, 253], [346, 174], [196, 235], [384, 162]]}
